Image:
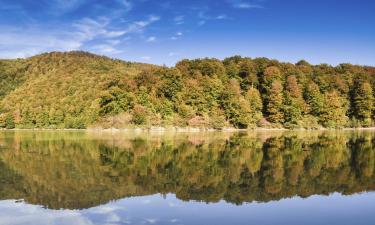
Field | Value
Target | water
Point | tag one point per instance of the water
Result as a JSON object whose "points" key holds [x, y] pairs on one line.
{"points": [[202, 178]]}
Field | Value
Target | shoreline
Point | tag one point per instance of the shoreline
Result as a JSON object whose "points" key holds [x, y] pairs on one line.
{"points": [[187, 129]]}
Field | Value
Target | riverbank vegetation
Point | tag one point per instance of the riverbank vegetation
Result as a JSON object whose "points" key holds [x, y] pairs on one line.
{"points": [[81, 90]]}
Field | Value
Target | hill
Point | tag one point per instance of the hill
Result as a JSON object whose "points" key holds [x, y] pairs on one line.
{"points": [[80, 90]]}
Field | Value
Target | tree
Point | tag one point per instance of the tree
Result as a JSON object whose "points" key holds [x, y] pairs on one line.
{"points": [[334, 112], [115, 101], [363, 101], [314, 98], [171, 82], [256, 105], [294, 102], [56, 117], [236, 108], [247, 73], [275, 101], [7, 121], [271, 74], [78, 89]]}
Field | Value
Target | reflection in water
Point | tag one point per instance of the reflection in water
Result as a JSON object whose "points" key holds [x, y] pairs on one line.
{"points": [[74, 170]]}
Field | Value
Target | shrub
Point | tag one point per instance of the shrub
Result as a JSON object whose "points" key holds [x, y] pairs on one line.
{"points": [[140, 115]]}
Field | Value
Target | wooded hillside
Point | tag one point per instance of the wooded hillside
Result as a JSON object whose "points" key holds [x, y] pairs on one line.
{"points": [[80, 90]]}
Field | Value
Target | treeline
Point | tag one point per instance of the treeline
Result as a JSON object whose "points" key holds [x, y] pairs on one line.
{"points": [[80, 90], [79, 171]]}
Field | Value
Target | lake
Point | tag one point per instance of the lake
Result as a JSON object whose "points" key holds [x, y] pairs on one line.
{"points": [[85, 178]]}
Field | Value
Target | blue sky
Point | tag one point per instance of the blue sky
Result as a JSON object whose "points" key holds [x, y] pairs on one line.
{"points": [[166, 31]]}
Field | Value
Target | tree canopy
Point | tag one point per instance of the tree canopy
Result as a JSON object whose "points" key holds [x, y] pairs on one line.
{"points": [[80, 90]]}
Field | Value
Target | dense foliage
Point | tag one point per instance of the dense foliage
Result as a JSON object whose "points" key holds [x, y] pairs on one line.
{"points": [[79, 171], [80, 90]]}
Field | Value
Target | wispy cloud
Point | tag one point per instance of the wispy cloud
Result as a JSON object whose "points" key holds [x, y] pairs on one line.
{"points": [[151, 220], [127, 4], [58, 7], [201, 23], [139, 26], [106, 49], [222, 17], [171, 54], [176, 36], [146, 58], [178, 20], [89, 28], [113, 42], [247, 6], [99, 34], [204, 17], [14, 44], [151, 39], [241, 4]]}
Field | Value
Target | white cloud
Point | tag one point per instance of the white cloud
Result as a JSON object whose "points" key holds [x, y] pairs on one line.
{"points": [[176, 36], [151, 39], [112, 34], [152, 220], [96, 34], [90, 29], [241, 4], [203, 17], [139, 26], [173, 205], [127, 4], [113, 42], [106, 49], [112, 218], [201, 23], [59, 7], [21, 213], [15, 44], [221, 17], [171, 54], [178, 20], [147, 58], [246, 6], [87, 28]]}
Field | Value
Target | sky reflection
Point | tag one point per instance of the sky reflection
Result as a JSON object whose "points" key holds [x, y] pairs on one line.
{"points": [[158, 209]]}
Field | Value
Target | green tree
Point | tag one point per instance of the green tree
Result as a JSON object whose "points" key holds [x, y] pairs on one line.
{"points": [[294, 102], [237, 109], [334, 112], [363, 101], [314, 98], [270, 74], [7, 121], [171, 82], [247, 73], [275, 103], [56, 117], [255, 103], [115, 101]]}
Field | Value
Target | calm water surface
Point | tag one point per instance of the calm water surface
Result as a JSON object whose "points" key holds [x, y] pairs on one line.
{"points": [[202, 178]]}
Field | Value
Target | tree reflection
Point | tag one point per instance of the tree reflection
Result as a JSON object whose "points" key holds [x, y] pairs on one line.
{"points": [[78, 170]]}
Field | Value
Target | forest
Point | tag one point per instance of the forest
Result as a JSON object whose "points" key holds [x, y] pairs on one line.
{"points": [[81, 90]]}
